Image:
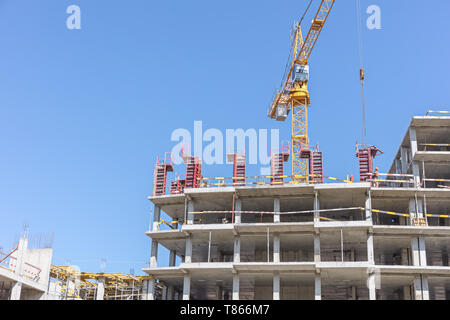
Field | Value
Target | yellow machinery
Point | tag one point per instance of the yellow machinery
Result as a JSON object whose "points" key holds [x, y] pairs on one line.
{"points": [[294, 96]]}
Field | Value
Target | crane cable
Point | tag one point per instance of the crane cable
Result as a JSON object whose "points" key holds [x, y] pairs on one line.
{"points": [[361, 63]]}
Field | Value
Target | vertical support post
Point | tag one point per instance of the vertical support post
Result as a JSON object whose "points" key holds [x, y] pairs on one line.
{"points": [[164, 293], [276, 286], [154, 254], [100, 289], [372, 286], [187, 287], [156, 218], [317, 247], [172, 258], [368, 206], [317, 287], [170, 293], [404, 160], [370, 249], [236, 287], [237, 249], [276, 208], [421, 288], [316, 207], [188, 253], [16, 291], [190, 208], [413, 141], [237, 207], [276, 248]]}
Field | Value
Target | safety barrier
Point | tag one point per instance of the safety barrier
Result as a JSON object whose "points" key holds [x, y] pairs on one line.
{"points": [[438, 112]]}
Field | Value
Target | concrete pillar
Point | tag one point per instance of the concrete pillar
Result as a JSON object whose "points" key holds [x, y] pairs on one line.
{"points": [[156, 218], [316, 208], [20, 257], [404, 159], [405, 257], [372, 286], [421, 288], [172, 258], [276, 286], [16, 291], [276, 208], [276, 248], [368, 207], [154, 254], [416, 173], [317, 287], [316, 247], [418, 252], [237, 207], [237, 249], [407, 293], [190, 208], [188, 253], [170, 293], [219, 292], [370, 250], [187, 287], [100, 289], [413, 141], [164, 293], [236, 287]]}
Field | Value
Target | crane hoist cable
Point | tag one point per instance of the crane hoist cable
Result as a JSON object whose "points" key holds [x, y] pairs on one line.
{"points": [[361, 66]]}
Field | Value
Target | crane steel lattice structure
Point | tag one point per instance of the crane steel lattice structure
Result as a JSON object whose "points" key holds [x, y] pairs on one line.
{"points": [[294, 96]]}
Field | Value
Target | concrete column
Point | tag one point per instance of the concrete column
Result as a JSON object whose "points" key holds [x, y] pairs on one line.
{"points": [[20, 257], [316, 208], [404, 159], [416, 173], [188, 253], [236, 287], [190, 208], [370, 250], [172, 258], [405, 257], [100, 289], [170, 292], [416, 212], [16, 291], [372, 287], [421, 288], [276, 248], [413, 141], [154, 254], [368, 207], [317, 287], [237, 249], [187, 287], [276, 286], [164, 293], [156, 218], [407, 293], [276, 208], [219, 292], [237, 207], [316, 247], [418, 252], [148, 290]]}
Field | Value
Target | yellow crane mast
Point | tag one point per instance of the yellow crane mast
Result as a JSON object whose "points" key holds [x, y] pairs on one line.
{"points": [[294, 96]]}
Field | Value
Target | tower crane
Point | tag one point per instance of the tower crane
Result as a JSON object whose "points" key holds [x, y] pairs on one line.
{"points": [[293, 95]]}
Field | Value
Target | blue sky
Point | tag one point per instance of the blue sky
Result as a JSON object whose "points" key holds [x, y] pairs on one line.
{"points": [[84, 113]]}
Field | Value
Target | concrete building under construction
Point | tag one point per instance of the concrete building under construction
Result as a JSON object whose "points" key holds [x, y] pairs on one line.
{"points": [[385, 237]]}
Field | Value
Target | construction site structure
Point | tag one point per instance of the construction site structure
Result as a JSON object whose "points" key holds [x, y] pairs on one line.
{"points": [[341, 240], [365, 155], [293, 96], [68, 283], [239, 161], [162, 167]]}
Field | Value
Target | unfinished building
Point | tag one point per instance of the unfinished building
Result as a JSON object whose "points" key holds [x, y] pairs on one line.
{"points": [[387, 237]]}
